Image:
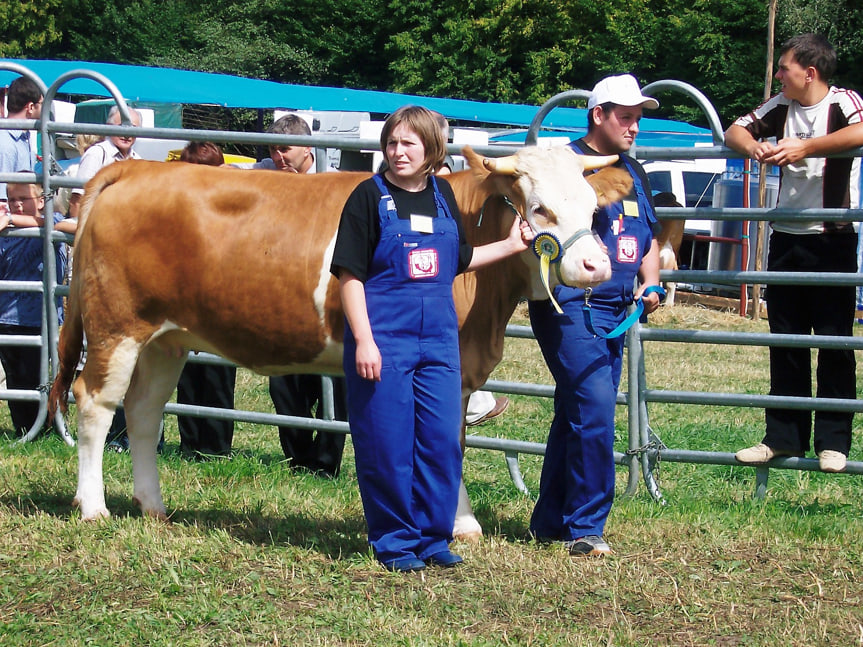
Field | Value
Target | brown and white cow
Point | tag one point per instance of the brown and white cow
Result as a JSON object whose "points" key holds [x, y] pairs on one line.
{"points": [[177, 257]]}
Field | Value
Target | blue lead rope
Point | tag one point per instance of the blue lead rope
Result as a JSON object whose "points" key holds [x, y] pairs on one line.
{"points": [[627, 323]]}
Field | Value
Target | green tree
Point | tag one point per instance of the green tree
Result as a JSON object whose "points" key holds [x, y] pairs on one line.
{"points": [[517, 51], [512, 51], [841, 21], [27, 26]]}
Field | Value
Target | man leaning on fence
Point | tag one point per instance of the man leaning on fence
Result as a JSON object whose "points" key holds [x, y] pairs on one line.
{"points": [[23, 101], [316, 451], [809, 119]]}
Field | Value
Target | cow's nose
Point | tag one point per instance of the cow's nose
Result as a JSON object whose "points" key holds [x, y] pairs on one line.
{"points": [[598, 266]]}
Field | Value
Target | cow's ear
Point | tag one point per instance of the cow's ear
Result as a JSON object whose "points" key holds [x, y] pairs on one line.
{"points": [[474, 161], [610, 185]]}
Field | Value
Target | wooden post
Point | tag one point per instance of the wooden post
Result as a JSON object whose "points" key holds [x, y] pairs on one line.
{"points": [[762, 175]]}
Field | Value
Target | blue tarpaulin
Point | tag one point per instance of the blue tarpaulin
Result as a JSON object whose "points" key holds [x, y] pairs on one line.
{"points": [[152, 84]]}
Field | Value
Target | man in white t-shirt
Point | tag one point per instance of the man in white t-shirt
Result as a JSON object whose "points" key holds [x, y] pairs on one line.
{"points": [[809, 119]]}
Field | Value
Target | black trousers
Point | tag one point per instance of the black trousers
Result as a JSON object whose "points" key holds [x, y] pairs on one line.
{"points": [[206, 385], [819, 309], [301, 395], [21, 364]]}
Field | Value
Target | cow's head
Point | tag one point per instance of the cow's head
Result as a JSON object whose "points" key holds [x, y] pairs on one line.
{"points": [[550, 191]]}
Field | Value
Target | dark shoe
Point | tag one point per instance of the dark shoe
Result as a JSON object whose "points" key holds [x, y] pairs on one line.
{"points": [[590, 546], [405, 565], [119, 445], [445, 559], [500, 405]]}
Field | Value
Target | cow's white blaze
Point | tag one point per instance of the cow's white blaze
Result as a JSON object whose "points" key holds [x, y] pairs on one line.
{"points": [[558, 196]]}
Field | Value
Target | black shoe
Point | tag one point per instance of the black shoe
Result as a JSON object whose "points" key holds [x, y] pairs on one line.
{"points": [[404, 565], [119, 445], [445, 559]]}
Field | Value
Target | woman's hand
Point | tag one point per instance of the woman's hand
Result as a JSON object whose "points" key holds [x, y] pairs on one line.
{"points": [[369, 361]]}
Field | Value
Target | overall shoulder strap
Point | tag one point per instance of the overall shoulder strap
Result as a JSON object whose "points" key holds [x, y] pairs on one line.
{"points": [[386, 205], [443, 210]]}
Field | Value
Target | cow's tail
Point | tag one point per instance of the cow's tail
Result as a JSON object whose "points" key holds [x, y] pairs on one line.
{"points": [[71, 342], [69, 353]]}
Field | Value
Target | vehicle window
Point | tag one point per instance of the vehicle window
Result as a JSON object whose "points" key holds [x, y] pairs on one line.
{"points": [[699, 188], [660, 181]]}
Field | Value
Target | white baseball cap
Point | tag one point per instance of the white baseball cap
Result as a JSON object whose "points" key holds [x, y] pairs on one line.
{"points": [[620, 90]]}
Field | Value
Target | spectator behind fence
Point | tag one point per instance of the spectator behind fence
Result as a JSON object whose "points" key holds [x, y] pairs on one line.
{"points": [[576, 488], [21, 259], [64, 194], [205, 385], [319, 452], [114, 149], [809, 119], [23, 101], [399, 246]]}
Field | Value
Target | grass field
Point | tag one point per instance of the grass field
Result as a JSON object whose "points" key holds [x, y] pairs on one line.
{"points": [[258, 555]]}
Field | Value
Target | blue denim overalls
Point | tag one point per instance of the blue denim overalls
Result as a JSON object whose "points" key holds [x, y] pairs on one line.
{"points": [[577, 481], [405, 428]]}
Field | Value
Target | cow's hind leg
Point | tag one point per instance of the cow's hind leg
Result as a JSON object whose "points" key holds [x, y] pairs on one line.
{"points": [[98, 390], [152, 384]]}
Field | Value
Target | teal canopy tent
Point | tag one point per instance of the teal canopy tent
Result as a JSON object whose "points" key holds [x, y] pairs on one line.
{"points": [[164, 85]]}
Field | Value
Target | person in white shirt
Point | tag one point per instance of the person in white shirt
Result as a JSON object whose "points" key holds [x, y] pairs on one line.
{"points": [[23, 101], [115, 148], [809, 119]]}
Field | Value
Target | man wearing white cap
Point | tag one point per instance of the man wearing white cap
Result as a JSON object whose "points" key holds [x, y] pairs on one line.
{"points": [[584, 348]]}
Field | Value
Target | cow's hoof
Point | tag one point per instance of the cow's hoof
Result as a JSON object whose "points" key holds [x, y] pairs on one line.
{"points": [[91, 515], [467, 528], [150, 511]]}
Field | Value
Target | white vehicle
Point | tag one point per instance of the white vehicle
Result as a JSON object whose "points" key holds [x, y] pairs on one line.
{"points": [[692, 182]]}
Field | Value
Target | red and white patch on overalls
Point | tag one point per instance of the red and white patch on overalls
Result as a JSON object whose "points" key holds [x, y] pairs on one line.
{"points": [[627, 249], [423, 263]]}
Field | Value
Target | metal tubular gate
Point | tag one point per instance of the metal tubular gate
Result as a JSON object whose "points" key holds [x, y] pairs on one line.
{"points": [[644, 448]]}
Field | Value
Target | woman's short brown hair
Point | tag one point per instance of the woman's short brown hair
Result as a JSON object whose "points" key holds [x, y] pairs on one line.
{"points": [[423, 122], [203, 153]]}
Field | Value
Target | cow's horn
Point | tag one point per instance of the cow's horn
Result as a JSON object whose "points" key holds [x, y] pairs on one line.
{"points": [[593, 162], [502, 165]]}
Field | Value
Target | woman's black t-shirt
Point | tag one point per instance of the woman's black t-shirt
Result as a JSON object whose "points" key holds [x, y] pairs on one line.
{"points": [[360, 229]]}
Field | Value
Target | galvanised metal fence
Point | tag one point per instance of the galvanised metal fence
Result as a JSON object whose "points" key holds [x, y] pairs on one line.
{"points": [[644, 447]]}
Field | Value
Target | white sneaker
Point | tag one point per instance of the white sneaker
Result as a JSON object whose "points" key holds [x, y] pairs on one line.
{"points": [[831, 460], [758, 454]]}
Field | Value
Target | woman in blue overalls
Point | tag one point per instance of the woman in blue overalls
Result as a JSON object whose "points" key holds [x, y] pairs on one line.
{"points": [[577, 482], [400, 245]]}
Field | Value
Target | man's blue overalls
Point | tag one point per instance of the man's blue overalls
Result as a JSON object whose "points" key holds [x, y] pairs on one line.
{"points": [[577, 482], [405, 428]]}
